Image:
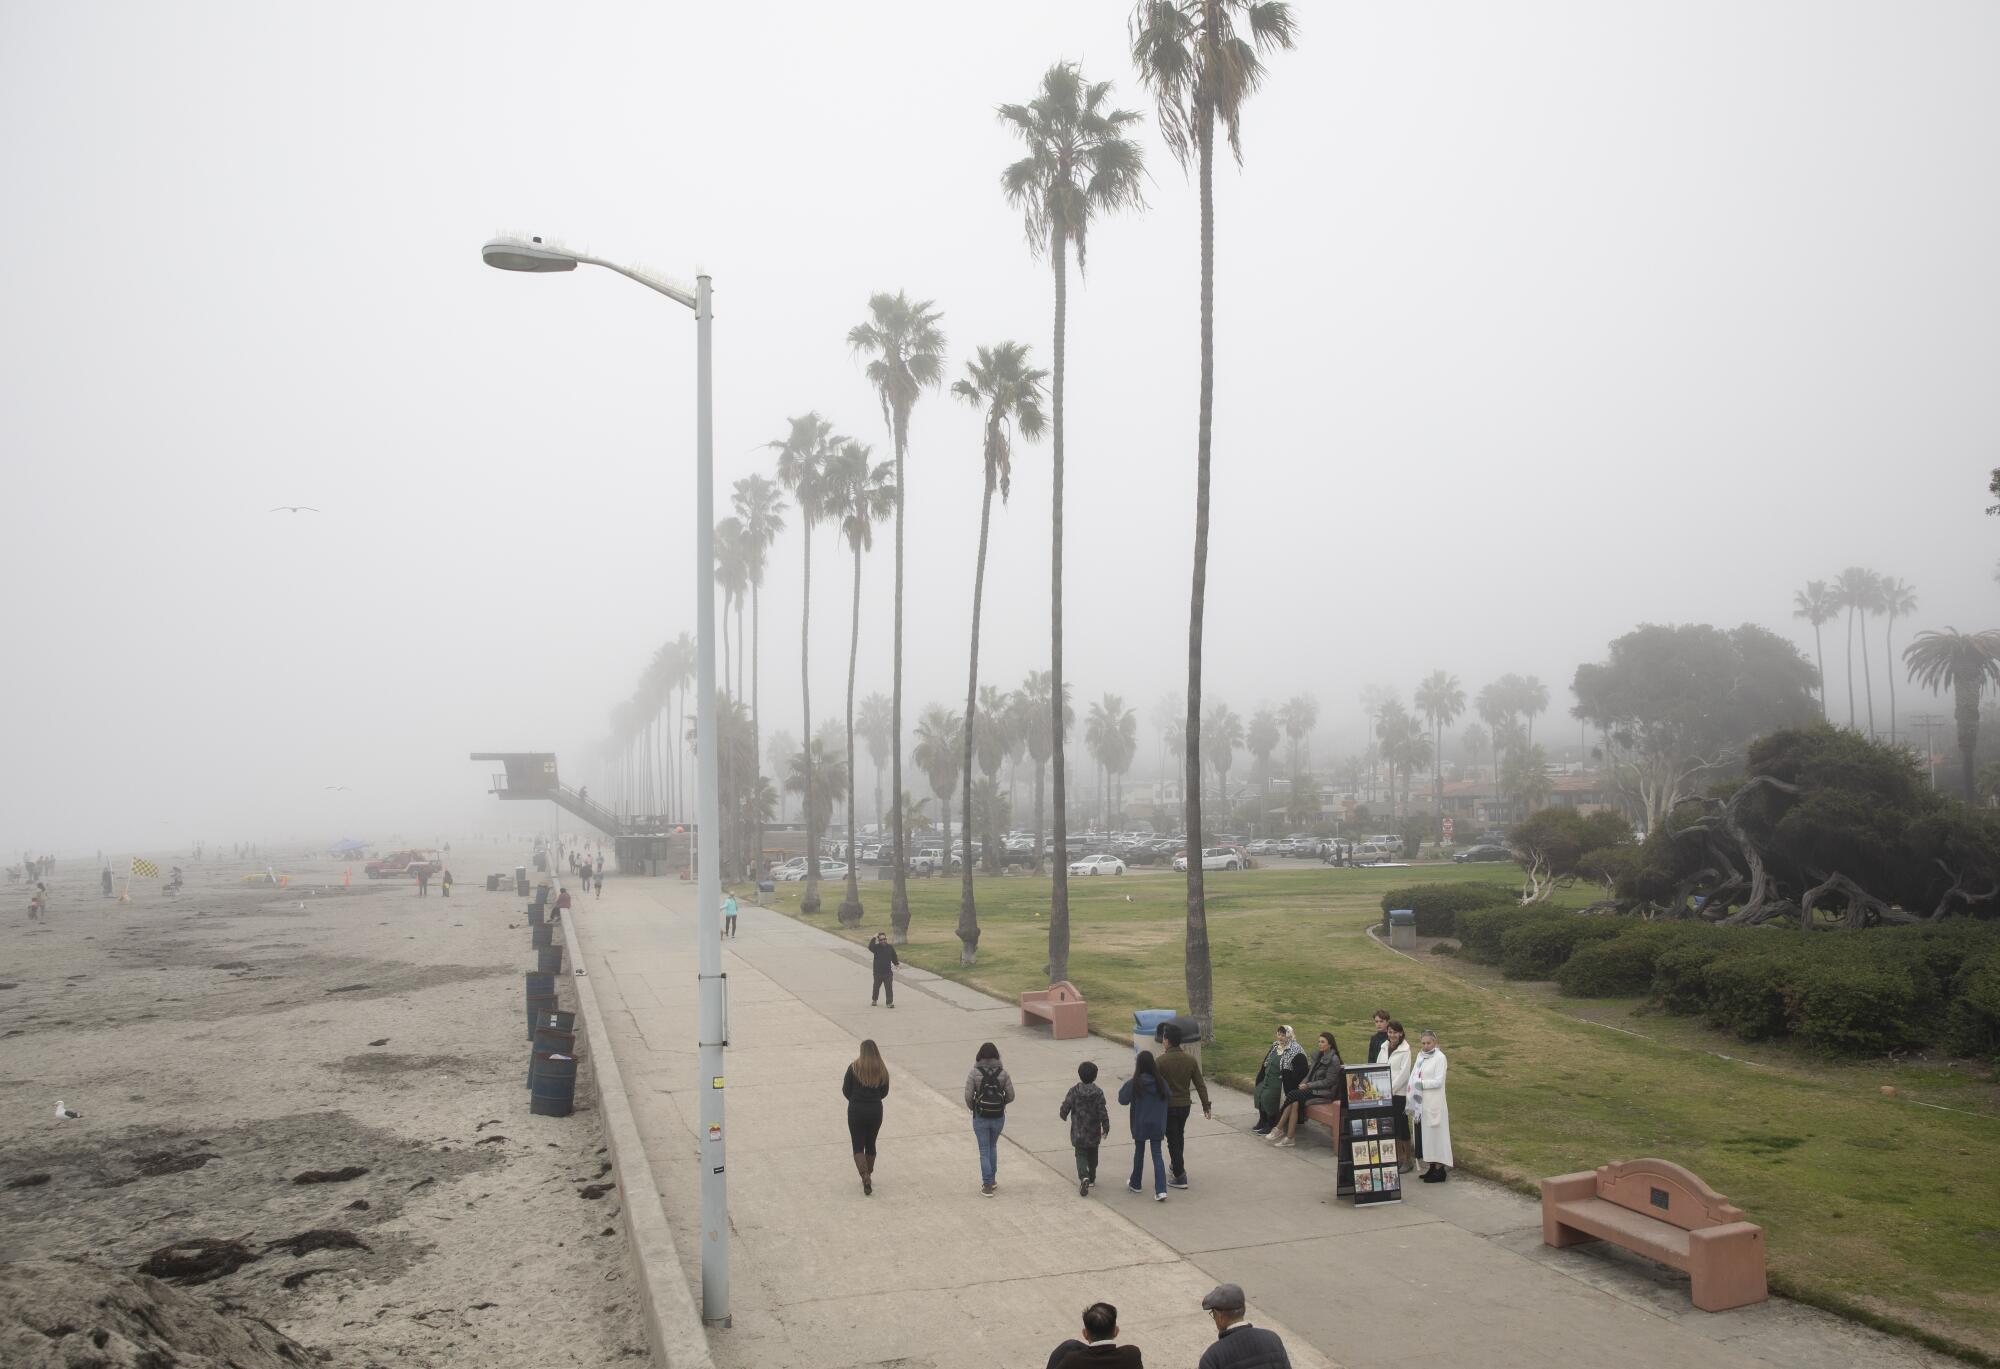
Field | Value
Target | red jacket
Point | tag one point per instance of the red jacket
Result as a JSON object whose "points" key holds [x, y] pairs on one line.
{"points": [[562, 899]]}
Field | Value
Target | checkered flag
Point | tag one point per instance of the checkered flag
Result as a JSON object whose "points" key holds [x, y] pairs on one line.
{"points": [[145, 869]]}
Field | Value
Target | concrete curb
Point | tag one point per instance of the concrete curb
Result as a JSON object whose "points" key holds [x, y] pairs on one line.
{"points": [[666, 1302]]}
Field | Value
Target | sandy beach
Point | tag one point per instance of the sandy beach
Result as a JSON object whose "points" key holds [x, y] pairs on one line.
{"points": [[222, 1042]]}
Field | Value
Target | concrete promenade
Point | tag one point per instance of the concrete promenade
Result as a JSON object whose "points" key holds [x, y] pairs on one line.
{"points": [[928, 1274]]}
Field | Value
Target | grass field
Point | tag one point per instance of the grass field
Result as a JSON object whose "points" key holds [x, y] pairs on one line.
{"points": [[1874, 1204]]}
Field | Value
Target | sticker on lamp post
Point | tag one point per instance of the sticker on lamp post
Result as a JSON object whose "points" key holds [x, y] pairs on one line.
{"points": [[715, 1133]]}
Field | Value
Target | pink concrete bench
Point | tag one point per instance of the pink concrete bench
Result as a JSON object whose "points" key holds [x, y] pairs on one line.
{"points": [[1657, 1209], [1061, 1006]]}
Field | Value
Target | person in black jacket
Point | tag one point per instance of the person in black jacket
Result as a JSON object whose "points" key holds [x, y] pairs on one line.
{"points": [[1381, 1033], [1238, 1344], [1322, 1084], [1099, 1348], [864, 1087], [886, 961]]}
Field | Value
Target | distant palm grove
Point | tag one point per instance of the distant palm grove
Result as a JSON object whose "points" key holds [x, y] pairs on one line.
{"points": [[1669, 712]]}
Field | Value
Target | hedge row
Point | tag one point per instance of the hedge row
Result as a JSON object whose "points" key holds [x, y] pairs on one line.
{"points": [[1437, 906], [1851, 993]]}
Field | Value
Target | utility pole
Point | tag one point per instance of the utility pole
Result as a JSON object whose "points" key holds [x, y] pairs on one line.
{"points": [[1927, 721]]}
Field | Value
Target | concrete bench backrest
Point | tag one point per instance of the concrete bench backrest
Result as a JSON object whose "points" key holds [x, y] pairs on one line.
{"points": [[1062, 991], [1663, 1190]]}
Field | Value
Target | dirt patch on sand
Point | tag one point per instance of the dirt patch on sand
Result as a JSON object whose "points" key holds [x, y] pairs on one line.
{"points": [[62, 1316]]}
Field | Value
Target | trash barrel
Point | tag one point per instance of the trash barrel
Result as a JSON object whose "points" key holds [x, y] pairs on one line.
{"points": [[493, 884], [553, 1094], [548, 960], [543, 935], [1145, 1022], [521, 880], [561, 1021], [1403, 929], [541, 998], [548, 1041]]}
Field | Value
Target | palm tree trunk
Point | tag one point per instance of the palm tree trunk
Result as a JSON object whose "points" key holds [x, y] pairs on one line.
{"points": [[1059, 887], [1850, 667], [851, 910], [968, 912], [810, 902], [1200, 974], [1819, 655], [899, 895], [1966, 685], [1889, 658], [1867, 680], [756, 735], [1039, 767]]}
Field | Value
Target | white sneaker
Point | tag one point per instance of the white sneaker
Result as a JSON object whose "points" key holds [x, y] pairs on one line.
{"points": [[1284, 1141], [1159, 1197]]}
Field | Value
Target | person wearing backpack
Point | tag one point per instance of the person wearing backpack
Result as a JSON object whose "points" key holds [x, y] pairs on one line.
{"points": [[988, 1091]]}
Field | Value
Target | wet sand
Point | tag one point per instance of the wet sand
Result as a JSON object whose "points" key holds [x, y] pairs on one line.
{"points": [[221, 1042]]}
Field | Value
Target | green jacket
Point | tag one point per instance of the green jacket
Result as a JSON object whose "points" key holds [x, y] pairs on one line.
{"points": [[1182, 1073]]}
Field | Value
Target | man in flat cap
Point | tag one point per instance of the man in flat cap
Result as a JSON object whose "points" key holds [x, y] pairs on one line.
{"points": [[1238, 1344]]}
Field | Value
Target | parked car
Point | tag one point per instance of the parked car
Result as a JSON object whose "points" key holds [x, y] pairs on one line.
{"points": [[1472, 854], [1097, 865], [1143, 855], [1262, 846], [1216, 858], [928, 861]]}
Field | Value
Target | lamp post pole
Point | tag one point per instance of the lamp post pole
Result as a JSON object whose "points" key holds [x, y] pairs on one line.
{"points": [[534, 255]]}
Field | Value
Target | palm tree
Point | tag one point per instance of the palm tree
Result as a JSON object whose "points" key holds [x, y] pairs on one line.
{"points": [[1966, 662], [938, 754], [818, 775], [762, 509], [1008, 393], [732, 577], [803, 454], [1395, 731], [1533, 700], [1261, 740], [872, 722], [1899, 600], [1817, 605], [1222, 736], [1201, 69], [1079, 164], [908, 358], [857, 493], [1440, 700], [1298, 717], [1858, 590], [1037, 724], [1112, 735], [996, 738]]}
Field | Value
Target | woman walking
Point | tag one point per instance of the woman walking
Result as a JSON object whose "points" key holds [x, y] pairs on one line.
{"points": [[1321, 1085], [1430, 1115], [864, 1087], [1283, 1068], [988, 1091], [1395, 1053], [1146, 1094]]}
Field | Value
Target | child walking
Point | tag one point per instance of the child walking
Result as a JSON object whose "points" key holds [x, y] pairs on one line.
{"points": [[1089, 1119]]}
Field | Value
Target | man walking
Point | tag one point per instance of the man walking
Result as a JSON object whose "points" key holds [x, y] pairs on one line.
{"points": [[1238, 1344], [728, 915], [886, 961], [1182, 1073]]}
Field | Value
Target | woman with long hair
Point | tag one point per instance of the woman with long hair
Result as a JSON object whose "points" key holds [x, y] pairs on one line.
{"points": [[1322, 1084], [1395, 1052], [988, 1091], [865, 1086], [1147, 1095]]}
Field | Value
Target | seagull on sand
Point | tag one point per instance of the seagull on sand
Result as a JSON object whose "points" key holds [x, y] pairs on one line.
{"points": [[293, 508], [64, 1114]]}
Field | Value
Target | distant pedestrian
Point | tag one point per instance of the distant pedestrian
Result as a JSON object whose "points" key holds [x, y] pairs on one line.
{"points": [[1284, 1068], [1089, 1120], [598, 883], [600, 867], [988, 1091], [563, 900], [1099, 1348], [864, 1087], [886, 961], [444, 882], [38, 903], [423, 881], [1430, 1115], [1238, 1344], [1146, 1094], [104, 881], [1182, 1073], [729, 915]]}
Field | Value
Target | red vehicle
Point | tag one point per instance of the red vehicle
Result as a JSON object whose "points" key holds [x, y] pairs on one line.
{"points": [[404, 864]]}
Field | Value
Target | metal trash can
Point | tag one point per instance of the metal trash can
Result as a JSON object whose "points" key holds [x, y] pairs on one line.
{"points": [[1403, 929], [1146, 1024]]}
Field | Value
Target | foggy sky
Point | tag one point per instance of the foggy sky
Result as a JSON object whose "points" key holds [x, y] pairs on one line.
{"points": [[1534, 322]]}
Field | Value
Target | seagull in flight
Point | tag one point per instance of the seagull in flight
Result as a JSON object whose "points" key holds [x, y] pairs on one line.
{"points": [[293, 508], [336, 786]]}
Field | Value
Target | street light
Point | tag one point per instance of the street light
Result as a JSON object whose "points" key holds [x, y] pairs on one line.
{"points": [[532, 254]]}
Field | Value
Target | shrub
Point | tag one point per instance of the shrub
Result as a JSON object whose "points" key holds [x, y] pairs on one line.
{"points": [[1480, 930], [1537, 948], [1681, 972], [1972, 1023], [1437, 905], [1747, 994], [1856, 1007], [1622, 966]]}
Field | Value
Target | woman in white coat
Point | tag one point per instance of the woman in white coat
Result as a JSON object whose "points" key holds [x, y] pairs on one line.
{"points": [[1430, 1114], [1395, 1053]]}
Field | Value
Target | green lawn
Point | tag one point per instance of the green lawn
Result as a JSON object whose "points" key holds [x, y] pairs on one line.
{"points": [[1872, 1203]]}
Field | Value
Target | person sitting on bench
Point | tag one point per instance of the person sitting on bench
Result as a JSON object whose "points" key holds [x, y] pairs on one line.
{"points": [[1323, 1083]]}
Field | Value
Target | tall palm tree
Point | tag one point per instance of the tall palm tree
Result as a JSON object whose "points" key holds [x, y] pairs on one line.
{"points": [[858, 494], [1393, 729], [1037, 729], [1533, 700], [872, 722], [1080, 163], [1007, 391], [732, 577], [1817, 605], [818, 775], [803, 454], [1261, 740], [1440, 700], [938, 753], [1298, 717], [1964, 662], [1202, 59], [762, 508], [996, 737], [1111, 734], [1858, 590], [1221, 738], [907, 348], [1898, 600]]}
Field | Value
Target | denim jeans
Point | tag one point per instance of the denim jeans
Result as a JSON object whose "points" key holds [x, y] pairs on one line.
{"points": [[988, 1129], [1139, 1164]]}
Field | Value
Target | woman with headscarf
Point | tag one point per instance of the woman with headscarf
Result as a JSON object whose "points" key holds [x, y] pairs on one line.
{"points": [[865, 1085], [1430, 1115], [1284, 1066], [1322, 1084]]}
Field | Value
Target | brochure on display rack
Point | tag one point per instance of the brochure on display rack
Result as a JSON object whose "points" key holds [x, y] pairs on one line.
{"points": [[1370, 1140]]}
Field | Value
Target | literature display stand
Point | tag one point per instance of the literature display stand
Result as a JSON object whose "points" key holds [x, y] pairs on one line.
{"points": [[1368, 1141]]}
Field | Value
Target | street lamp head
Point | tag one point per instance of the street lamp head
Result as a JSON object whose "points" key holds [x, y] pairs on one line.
{"points": [[525, 254]]}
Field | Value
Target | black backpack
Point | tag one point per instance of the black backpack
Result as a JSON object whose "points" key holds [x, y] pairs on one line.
{"points": [[989, 1097]]}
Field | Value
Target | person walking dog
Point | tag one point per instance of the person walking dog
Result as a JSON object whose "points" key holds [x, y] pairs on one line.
{"points": [[988, 1091]]}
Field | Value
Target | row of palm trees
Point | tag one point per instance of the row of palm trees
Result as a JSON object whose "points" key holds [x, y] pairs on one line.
{"points": [[1859, 593]]}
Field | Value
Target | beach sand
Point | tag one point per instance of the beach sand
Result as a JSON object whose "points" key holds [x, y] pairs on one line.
{"points": [[223, 1041]]}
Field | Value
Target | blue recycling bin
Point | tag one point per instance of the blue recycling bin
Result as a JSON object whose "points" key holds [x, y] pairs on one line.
{"points": [[1146, 1024]]}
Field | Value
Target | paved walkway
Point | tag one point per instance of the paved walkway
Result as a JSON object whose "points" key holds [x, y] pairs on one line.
{"points": [[928, 1273]]}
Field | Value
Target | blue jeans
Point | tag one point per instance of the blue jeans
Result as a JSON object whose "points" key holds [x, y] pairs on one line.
{"points": [[1139, 1164], [987, 1130]]}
